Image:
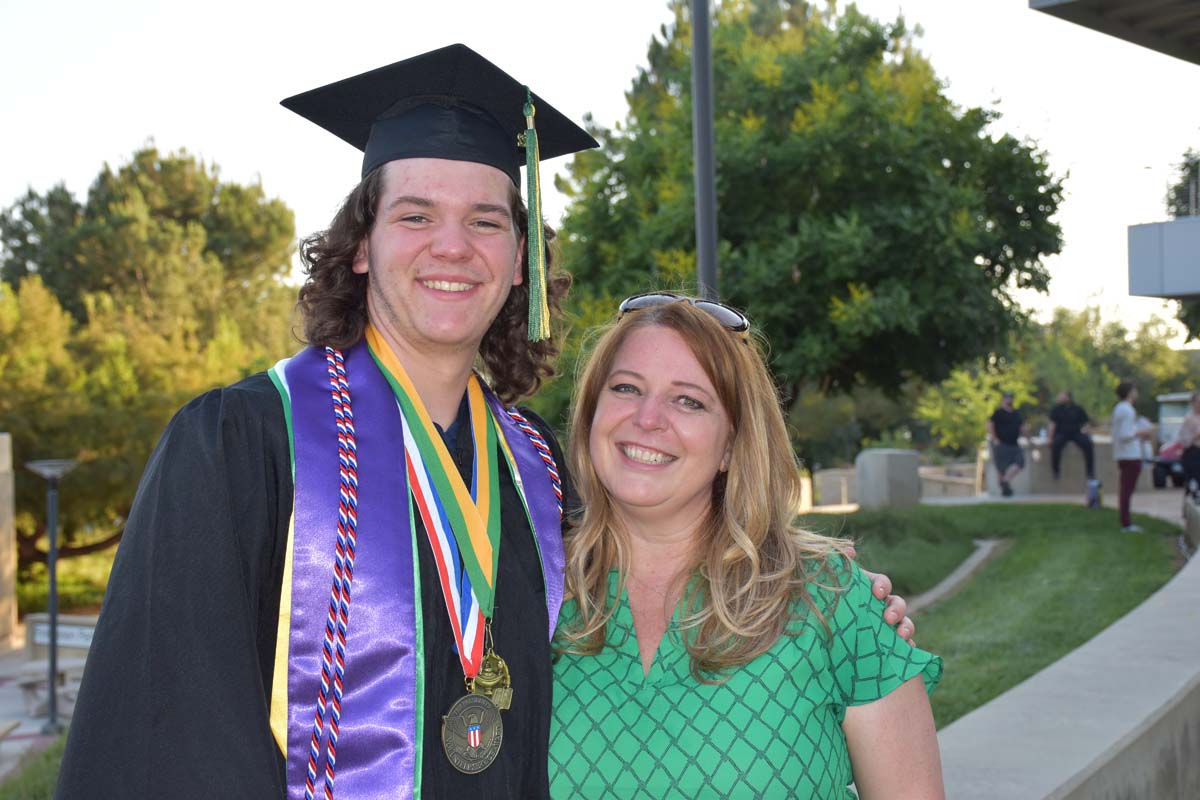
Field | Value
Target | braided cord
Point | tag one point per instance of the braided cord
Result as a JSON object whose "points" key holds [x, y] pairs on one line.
{"points": [[543, 449], [333, 653]]}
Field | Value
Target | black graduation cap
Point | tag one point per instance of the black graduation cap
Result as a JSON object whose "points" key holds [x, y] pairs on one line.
{"points": [[448, 103]]}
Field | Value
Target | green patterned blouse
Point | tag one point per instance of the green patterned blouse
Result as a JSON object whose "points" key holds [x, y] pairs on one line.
{"points": [[772, 730]]}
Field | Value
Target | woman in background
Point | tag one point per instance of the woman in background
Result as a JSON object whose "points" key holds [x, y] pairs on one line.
{"points": [[1127, 438], [1188, 436], [711, 647]]}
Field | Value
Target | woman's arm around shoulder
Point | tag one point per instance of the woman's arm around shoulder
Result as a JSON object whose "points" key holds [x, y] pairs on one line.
{"points": [[893, 746]]}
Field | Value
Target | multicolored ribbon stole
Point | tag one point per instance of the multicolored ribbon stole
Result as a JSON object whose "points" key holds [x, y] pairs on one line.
{"points": [[380, 731], [463, 524]]}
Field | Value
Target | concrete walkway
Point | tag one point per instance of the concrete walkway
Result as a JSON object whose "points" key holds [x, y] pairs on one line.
{"points": [[27, 738], [1165, 504]]}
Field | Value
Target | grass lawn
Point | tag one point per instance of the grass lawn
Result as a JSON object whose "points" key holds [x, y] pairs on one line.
{"points": [[36, 776], [1068, 573], [81, 582]]}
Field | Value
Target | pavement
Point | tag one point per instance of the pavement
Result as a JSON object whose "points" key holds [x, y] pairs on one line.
{"points": [[1164, 504], [27, 738]]}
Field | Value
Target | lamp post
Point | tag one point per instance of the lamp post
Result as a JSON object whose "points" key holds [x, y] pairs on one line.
{"points": [[52, 470], [702, 150]]}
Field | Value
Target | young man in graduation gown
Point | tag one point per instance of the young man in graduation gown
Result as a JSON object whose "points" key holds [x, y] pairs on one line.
{"points": [[272, 500], [341, 576]]}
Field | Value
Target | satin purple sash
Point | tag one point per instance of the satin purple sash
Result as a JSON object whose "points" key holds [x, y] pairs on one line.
{"points": [[376, 753]]}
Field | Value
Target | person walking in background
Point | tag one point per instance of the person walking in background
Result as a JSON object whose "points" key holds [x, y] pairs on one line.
{"points": [[1004, 430], [1127, 438], [1069, 423]]}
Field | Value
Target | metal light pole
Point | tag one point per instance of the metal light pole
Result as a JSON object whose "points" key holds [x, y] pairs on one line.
{"points": [[52, 470], [702, 150]]}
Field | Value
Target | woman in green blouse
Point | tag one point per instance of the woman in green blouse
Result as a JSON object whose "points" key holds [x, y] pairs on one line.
{"points": [[710, 647]]}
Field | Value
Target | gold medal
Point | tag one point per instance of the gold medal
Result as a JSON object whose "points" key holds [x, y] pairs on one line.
{"points": [[471, 733]]}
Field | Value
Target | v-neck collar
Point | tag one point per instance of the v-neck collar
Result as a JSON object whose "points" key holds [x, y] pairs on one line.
{"points": [[624, 639]]}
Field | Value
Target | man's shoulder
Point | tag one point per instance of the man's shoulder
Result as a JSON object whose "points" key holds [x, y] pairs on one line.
{"points": [[250, 400]]}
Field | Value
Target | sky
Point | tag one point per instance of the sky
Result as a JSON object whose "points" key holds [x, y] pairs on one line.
{"points": [[89, 83]]}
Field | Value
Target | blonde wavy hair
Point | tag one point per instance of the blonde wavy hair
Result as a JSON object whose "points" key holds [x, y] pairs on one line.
{"points": [[752, 561]]}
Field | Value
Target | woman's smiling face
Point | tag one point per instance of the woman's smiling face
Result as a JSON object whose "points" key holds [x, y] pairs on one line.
{"points": [[659, 434]]}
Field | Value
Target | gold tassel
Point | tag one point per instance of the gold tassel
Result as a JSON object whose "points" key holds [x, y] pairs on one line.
{"points": [[535, 242]]}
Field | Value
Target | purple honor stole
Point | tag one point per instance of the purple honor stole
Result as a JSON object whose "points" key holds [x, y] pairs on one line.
{"points": [[379, 733]]}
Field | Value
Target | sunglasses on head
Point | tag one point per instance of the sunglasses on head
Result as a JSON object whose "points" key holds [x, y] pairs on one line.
{"points": [[728, 316]]}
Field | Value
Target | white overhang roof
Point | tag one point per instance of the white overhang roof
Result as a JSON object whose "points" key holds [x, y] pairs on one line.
{"points": [[1168, 26]]}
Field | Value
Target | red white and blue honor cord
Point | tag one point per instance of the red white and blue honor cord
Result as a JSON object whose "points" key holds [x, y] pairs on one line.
{"points": [[333, 653]]}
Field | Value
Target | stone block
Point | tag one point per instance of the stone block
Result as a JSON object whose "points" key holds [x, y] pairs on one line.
{"points": [[887, 478]]}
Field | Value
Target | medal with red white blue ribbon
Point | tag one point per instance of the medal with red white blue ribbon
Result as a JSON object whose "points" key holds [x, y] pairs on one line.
{"points": [[463, 528]]}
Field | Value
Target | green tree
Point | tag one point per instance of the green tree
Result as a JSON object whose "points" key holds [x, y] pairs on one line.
{"points": [[1182, 202], [166, 281], [958, 408], [37, 237], [875, 231], [1182, 196], [1067, 353], [1074, 351], [1145, 357]]}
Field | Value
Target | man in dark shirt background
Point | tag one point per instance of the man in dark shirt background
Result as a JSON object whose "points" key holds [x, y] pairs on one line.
{"points": [[1068, 423], [1004, 429]]}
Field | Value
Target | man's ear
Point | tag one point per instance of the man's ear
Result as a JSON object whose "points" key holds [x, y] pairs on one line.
{"points": [[519, 271], [362, 258]]}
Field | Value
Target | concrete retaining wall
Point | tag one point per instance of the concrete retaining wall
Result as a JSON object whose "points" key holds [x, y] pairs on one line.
{"points": [[834, 487], [1116, 719], [939, 484], [1038, 477], [1191, 524], [1159, 759]]}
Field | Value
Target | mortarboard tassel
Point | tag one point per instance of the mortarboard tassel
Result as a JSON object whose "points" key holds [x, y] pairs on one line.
{"points": [[535, 243]]}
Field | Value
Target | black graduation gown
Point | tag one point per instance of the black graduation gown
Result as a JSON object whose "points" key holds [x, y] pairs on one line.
{"points": [[175, 698]]}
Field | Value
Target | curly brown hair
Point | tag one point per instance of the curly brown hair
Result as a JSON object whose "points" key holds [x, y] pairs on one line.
{"points": [[333, 300]]}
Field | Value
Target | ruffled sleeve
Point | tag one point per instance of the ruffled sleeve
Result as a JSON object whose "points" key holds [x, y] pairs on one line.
{"points": [[869, 659]]}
